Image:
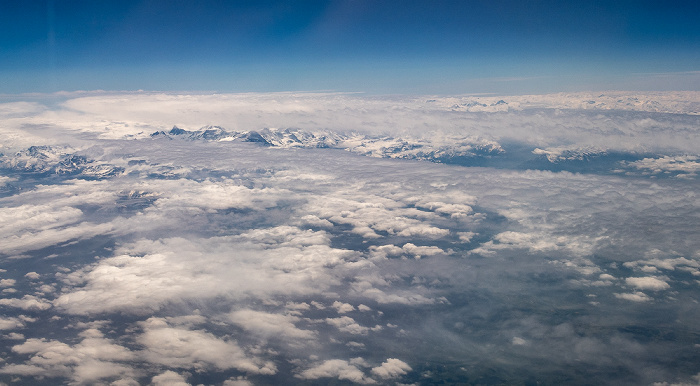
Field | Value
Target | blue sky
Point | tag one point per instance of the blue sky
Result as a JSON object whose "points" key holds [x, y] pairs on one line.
{"points": [[372, 46]]}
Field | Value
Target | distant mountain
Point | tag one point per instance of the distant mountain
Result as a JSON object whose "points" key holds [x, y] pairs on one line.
{"points": [[558, 155], [384, 146], [48, 160]]}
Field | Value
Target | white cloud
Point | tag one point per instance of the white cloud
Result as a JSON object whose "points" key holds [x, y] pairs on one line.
{"points": [[684, 164], [343, 308], [10, 323], [268, 325], [391, 368], [35, 226], [634, 297], [27, 302], [649, 283], [169, 378], [195, 349], [90, 360], [238, 381], [537, 242], [420, 251], [336, 368], [668, 263], [7, 282], [694, 381], [347, 324], [280, 260]]}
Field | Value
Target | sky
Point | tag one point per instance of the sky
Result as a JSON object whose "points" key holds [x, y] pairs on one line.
{"points": [[438, 47]]}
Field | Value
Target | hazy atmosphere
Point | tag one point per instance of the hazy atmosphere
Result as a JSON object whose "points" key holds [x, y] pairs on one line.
{"points": [[349, 192]]}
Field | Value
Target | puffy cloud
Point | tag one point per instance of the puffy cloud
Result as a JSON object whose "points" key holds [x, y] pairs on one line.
{"points": [[195, 349], [369, 214], [238, 381], [27, 302], [634, 297], [223, 194], [536, 243], [14, 336], [268, 325], [668, 263], [35, 226], [10, 323], [343, 307], [666, 164], [336, 368], [391, 368], [347, 324], [7, 282], [649, 283], [419, 251], [169, 378], [93, 358], [264, 262]]}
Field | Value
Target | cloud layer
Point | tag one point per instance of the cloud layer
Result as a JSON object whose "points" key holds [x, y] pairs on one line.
{"points": [[231, 263]]}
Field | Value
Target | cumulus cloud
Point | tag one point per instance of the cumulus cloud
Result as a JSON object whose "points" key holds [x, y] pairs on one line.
{"points": [[419, 251], [536, 243], [26, 302], [195, 349], [169, 378], [266, 324], [36, 226], [343, 307], [173, 270], [348, 324], [647, 283], [238, 381], [392, 368], [92, 359], [663, 263], [336, 368], [7, 282], [10, 323], [634, 297], [687, 164]]}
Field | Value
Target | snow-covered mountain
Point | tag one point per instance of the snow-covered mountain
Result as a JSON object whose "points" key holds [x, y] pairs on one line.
{"points": [[57, 160], [384, 146], [562, 154]]}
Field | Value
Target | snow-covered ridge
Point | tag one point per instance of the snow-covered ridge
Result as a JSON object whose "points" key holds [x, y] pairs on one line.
{"points": [[57, 160], [561, 154], [383, 146]]}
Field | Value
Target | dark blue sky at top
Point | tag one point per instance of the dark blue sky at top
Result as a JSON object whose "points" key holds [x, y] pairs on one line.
{"points": [[353, 45]]}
